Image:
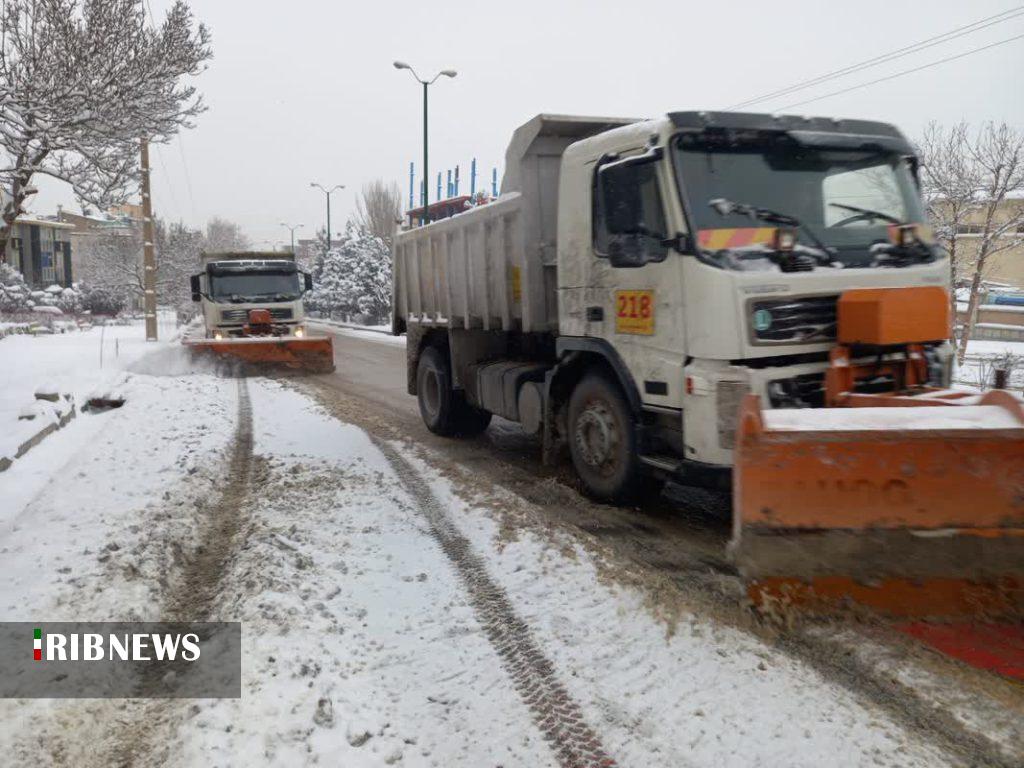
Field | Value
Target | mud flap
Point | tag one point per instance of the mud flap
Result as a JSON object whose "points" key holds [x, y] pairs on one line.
{"points": [[311, 354], [915, 512]]}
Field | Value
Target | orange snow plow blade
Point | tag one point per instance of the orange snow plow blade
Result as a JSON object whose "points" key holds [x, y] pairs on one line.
{"points": [[311, 354], [908, 511]]}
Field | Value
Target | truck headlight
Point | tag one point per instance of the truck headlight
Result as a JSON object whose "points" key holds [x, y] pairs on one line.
{"points": [[300, 331], [217, 335]]}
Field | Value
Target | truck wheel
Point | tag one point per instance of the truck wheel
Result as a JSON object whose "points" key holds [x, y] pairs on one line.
{"points": [[602, 439], [445, 411]]}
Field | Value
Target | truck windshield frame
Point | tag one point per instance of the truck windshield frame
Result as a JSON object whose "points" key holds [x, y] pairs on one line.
{"points": [[818, 185], [239, 285]]}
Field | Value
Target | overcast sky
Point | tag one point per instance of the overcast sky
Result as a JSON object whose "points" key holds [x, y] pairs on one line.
{"points": [[305, 91]]}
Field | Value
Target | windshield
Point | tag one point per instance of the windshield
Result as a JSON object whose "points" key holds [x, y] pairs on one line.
{"points": [[843, 199], [255, 286]]}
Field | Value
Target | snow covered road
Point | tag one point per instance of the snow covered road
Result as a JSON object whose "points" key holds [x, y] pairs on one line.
{"points": [[392, 612]]}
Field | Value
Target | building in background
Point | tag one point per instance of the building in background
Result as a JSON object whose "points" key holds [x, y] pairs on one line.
{"points": [[130, 211], [41, 249], [1007, 266]]}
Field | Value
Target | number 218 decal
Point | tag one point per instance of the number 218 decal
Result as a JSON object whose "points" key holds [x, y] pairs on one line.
{"points": [[634, 312]]}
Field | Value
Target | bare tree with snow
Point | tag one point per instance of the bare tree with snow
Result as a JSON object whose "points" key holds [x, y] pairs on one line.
{"points": [[379, 209], [969, 179], [178, 248], [951, 183], [80, 82], [223, 235], [112, 261]]}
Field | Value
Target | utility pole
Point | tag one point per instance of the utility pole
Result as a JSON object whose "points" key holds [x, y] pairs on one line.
{"points": [[148, 251]]}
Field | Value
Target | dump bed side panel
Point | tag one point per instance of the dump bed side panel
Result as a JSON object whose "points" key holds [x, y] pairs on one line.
{"points": [[468, 272]]}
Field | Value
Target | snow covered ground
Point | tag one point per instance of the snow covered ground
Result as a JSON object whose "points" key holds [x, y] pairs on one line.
{"points": [[388, 617], [977, 366]]}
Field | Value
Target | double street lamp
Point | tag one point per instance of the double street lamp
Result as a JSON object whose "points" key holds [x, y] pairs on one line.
{"points": [[327, 192], [426, 84], [292, 229]]}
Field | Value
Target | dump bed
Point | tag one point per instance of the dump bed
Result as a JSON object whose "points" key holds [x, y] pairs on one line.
{"points": [[493, 267], [206, 258]]}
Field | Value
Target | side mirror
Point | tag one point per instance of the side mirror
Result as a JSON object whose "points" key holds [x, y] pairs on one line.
{"points": [[626, 251], [197, 293], [680, 243], [308, 278]]}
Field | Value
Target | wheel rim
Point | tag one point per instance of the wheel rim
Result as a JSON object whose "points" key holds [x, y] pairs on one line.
{"points": [[431, 393], [597, 437]]}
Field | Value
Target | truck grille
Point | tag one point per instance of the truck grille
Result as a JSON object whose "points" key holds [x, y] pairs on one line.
{"points": [[808, 390], [787, 321], [242, 315], [804, 391]]}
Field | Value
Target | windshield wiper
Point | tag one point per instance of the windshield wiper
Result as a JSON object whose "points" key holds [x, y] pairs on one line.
{"points": [[725, 207], [864, 213], [898, 255]]}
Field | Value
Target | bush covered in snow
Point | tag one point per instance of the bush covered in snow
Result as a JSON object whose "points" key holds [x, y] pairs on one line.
{"points": [[15, 295], [354, 278], [101, 301], [16, 298]]}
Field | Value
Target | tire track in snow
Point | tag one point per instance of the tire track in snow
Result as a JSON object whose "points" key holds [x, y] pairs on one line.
{"points": [[920, 716], [194, 591], [574, 743]]}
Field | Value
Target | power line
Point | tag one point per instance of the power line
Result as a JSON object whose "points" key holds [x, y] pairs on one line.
{"points": [[167, 180], [930, 42], [188, 178], [904, 72]]}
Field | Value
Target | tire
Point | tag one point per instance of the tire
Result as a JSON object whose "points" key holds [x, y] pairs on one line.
{"points": [[602, 440], [445, 411], [470, 421]]}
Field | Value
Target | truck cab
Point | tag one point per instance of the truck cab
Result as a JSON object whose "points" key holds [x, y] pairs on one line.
{"points": [[233, 285], [667, 252]]}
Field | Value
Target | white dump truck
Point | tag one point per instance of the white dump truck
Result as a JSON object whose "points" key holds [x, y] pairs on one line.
{"points": [[636, 278], [252, 307], [708, 293]]}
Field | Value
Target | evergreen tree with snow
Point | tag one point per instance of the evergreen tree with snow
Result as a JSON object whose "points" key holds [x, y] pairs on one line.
{"points": [[354, 278]]}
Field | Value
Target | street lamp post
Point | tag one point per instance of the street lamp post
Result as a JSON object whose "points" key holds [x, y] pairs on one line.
{"points": [[292, 229], [426, 84], [328, 192]]}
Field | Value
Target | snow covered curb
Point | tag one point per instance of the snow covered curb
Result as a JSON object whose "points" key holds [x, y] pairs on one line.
{"points": [[369, 333], [54, 411], [350, 326]]}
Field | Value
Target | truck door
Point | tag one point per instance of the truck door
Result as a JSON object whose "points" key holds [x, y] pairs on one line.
{"points": [[636, 276]]}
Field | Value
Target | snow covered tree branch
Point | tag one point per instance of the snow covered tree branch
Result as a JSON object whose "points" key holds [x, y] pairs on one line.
{"points": [[379, 209], [80, 84]]}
